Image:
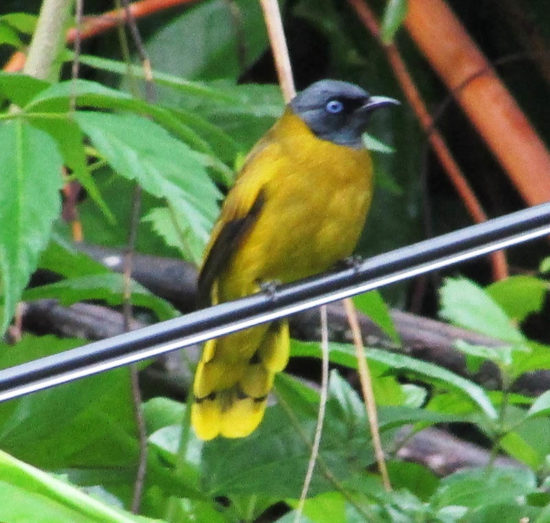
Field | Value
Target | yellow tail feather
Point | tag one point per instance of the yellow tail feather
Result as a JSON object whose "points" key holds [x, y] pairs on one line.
{"points": [[232, 382]]}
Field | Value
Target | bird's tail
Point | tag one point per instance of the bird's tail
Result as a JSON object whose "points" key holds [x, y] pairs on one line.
{"points": [[233, 380]]}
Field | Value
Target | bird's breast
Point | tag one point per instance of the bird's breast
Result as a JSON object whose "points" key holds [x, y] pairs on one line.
{"points": [[313, 213]]}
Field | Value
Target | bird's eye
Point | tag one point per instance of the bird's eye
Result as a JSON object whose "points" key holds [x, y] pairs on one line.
{"points": [[334, 106]]}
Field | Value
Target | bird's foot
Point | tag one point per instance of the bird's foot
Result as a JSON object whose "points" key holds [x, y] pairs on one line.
{"points": [[269, 288], [351, 262]]}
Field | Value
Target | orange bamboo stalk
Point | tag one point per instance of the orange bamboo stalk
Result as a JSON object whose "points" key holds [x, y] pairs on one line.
{"points": [[15, 63], [451, 167], [482, 96]]}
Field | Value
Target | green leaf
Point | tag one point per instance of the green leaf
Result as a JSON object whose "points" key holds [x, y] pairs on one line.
{"points": [[69, 140], [20, 88], [189, 87], [57, 98], [528, 439], [323, 508], [64, 259], [165, 167], [23, 22], [226, 115], [429, 370], [374, 144], [394, 15], [519, 296], [505, 513], [161, 412], [545, 265], [206, 55], [164, 224], [108, 287], [9, 36], [29, 203], [344, 354], [517, 447], [502, 356], [537, 357], [479, 487], [466, 304], [273, 460], [27, 493], [86, 423], [373, 305], [420, 480], [541, 406]]}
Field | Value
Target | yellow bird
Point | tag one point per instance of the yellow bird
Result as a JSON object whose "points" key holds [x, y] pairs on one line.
{"points": [[297, 207]]}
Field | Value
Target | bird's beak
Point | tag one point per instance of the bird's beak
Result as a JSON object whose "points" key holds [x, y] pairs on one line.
{"points": [[374, 102]]}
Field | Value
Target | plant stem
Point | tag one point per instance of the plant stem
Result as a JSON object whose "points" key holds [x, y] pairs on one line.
{"points": [[48, 39]]}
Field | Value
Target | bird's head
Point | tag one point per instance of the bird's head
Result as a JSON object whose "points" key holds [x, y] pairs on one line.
{"points": [[337, 111]]}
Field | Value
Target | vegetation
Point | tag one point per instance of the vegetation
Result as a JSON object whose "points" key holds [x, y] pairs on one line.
{"points": [[72, 152]]}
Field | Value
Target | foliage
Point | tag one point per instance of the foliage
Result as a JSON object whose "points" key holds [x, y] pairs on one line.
{"points": [[70, 453]]}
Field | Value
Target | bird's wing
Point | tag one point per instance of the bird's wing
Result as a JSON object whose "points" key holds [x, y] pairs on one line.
{"points": [[240, 211]]}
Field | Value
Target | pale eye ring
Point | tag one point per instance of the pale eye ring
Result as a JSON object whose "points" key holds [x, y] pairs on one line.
{"points": [[334, 106]]}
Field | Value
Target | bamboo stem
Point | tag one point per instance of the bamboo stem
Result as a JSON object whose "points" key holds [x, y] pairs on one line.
{"points": [[274, 23], [483, 97]]}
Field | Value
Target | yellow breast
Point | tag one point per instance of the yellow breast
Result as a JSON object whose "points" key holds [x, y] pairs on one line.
{"points": [[316, 196]]}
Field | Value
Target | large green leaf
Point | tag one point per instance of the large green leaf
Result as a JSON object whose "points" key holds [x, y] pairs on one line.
{"points": [[541, 406], [345, 355], [108, 287], [28, 494], [228, 117], [62, 258], [468, 305], [483, 486], [29, 203], [23, 22], [20, 88], [519, 296], [141, 150], [273, 460], [69, 140], [85, 423], [213, 49], [373, 305], [58, 97]]}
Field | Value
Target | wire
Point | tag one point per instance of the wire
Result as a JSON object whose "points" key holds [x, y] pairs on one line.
{"points": [[199, 326]]}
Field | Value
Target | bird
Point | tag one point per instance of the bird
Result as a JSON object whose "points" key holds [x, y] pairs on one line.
{"points": [[297, 208]]}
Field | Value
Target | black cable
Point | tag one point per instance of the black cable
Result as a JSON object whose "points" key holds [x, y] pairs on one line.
{"points": [[225, 318]]}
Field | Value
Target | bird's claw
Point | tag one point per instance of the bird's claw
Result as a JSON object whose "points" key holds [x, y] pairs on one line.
{"points": [[351, 262], [270, 288]]}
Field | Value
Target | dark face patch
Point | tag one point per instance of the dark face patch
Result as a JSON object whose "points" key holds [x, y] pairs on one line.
{"points": [[335, 111]]}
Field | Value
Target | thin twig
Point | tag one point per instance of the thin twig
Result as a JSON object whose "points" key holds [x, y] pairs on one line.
{"points": [[366, 389], [323, 467], [79, 7], [238, 29], [320, 415], [456, 176], [128, 267], [274, 24], [71, 188]]}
